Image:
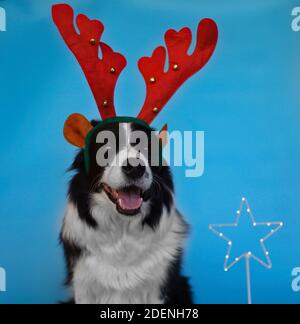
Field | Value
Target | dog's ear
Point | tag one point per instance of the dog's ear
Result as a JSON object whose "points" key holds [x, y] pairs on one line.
{"points": [[163, 136], [76, 129]]}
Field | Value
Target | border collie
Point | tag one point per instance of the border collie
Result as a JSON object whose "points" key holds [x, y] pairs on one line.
{"points": [[122, 235]]}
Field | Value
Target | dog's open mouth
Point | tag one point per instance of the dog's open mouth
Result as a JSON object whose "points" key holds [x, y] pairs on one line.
{"points": [[128, 200]]}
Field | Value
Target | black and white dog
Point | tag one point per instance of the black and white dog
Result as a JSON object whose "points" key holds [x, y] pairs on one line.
{"points": [[122, 235]]}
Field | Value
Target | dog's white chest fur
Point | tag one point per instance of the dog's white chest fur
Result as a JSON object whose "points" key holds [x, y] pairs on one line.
{"points": [[114, 284], [124, 262]]}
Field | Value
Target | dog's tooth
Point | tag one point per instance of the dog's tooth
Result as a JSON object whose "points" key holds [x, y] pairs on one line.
{"points": [[120, 203]]}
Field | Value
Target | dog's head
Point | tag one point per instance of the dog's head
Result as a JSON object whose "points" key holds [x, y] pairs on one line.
{"points": [[121, 169]]}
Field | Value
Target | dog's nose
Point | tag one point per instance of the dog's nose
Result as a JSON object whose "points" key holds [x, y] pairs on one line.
{"points": [[134, 168]]}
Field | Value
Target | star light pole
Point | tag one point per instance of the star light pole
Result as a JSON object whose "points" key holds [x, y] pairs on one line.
{"points": [[218, 229]]}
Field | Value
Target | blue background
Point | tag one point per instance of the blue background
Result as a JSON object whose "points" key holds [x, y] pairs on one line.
{"points": [[246, 100]]}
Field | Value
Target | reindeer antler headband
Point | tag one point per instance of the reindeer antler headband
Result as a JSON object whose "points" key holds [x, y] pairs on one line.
{"points": [[102, 74]]}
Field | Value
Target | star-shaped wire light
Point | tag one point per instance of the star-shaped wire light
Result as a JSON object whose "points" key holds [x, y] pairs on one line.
{"points": [[247, 255]]}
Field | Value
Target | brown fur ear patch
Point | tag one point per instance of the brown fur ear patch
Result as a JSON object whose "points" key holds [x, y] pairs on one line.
{"points": [[76, 129]]}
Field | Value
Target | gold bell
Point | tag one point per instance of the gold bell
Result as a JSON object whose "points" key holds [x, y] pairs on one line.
{"points": [[93, 41], [175, 67], [105, 103], [155, 110], [112, 70], [152, 80]]}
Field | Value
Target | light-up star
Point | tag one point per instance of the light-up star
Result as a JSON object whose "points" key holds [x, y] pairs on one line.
{"points": [[247, 255]]}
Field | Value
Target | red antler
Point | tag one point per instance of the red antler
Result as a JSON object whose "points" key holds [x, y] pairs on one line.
{"points": [[162, 85], [101, 74]]}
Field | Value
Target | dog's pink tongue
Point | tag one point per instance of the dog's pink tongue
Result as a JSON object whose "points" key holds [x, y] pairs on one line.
{"points": [[130, 200]]}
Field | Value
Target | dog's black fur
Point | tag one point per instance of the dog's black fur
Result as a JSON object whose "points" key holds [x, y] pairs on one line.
{"points": [[176, 289]]}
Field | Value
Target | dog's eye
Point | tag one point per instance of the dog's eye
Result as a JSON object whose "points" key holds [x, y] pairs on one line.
{"points": [[136, 142], [107, 152], [106, 155]]}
